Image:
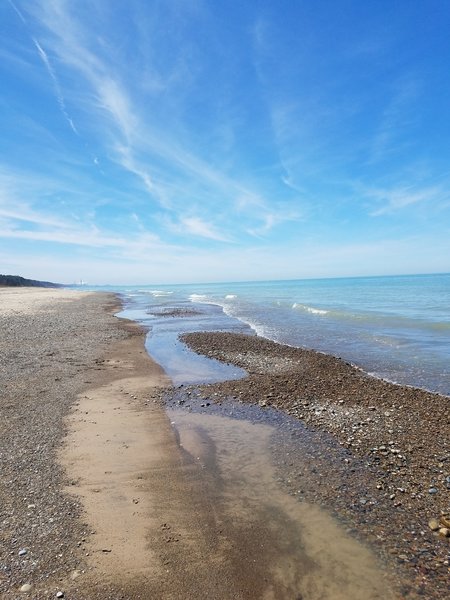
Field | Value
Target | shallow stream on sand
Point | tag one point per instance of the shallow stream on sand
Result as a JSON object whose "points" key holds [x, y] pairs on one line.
{"points": [[287, 548], [267, 541]]}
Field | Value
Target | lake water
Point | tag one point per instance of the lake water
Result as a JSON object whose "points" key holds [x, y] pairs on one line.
{"points": [[397, 328]]}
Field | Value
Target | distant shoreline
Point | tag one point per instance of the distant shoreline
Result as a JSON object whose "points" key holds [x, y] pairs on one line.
{"points": [[18, 281]]}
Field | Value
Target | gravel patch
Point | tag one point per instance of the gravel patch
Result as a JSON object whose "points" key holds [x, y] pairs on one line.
{"points": [[393, 483]]}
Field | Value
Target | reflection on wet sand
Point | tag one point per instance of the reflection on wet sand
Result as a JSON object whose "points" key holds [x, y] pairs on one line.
{"points": [[285, 548]]}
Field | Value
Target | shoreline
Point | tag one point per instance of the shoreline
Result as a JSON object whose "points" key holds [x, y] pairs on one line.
{"points": [[388, 429], [348, 361], [106, 500]]}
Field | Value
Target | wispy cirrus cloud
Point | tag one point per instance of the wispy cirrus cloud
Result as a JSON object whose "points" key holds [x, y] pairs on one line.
{"points": [[50, 70], [200, 227], [270, 219], [392, 200], [131, 132], [82, 237], [20, 15], [58, 92], [396, 119], [187, 225], [24, 215]]}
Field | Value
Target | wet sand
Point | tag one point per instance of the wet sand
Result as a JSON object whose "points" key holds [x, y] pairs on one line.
{"points": [[104, 494]]}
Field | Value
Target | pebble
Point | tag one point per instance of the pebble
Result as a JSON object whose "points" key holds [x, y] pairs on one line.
{"points": [[22, 552], [432, 490], [444, 532], [27, 587], [433, 524], [60, 594], [445, 521]]}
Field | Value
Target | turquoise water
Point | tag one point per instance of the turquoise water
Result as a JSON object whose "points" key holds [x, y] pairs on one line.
{"points": [[397, 328]]}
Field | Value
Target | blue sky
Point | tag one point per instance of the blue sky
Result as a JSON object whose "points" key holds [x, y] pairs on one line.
{"points": [[199, 140]]}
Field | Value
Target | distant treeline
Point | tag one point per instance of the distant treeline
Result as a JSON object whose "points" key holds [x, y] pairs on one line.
{"points": [[17, 281]]}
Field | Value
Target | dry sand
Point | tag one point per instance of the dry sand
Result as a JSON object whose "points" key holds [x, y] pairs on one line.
{"points": [[101, 497]]}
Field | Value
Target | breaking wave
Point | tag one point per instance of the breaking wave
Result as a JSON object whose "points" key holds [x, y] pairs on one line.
{"points": [[310, 309]]}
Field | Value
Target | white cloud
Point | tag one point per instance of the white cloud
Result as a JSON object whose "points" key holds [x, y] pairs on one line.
{"points": [[113, 99], [398, 198], [20, 15], [271, 219], [198, 227], [59, 95]]}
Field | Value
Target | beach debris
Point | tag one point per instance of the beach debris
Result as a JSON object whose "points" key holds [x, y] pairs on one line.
{"points": [[27, 587]]}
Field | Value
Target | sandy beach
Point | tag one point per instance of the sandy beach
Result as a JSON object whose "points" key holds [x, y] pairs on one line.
{"points": [[63, 353], [116, 485]]}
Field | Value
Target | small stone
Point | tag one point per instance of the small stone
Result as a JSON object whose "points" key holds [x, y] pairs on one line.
{"points": [[432, 490], [27, 587], [433, 524], [445, 520], [444, 532], [60, 594], [22, 552]]}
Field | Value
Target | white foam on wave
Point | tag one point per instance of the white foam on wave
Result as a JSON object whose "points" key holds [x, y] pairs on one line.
{"points": [[310, 309], [197, 297], [230, 296], [160, 293]]}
